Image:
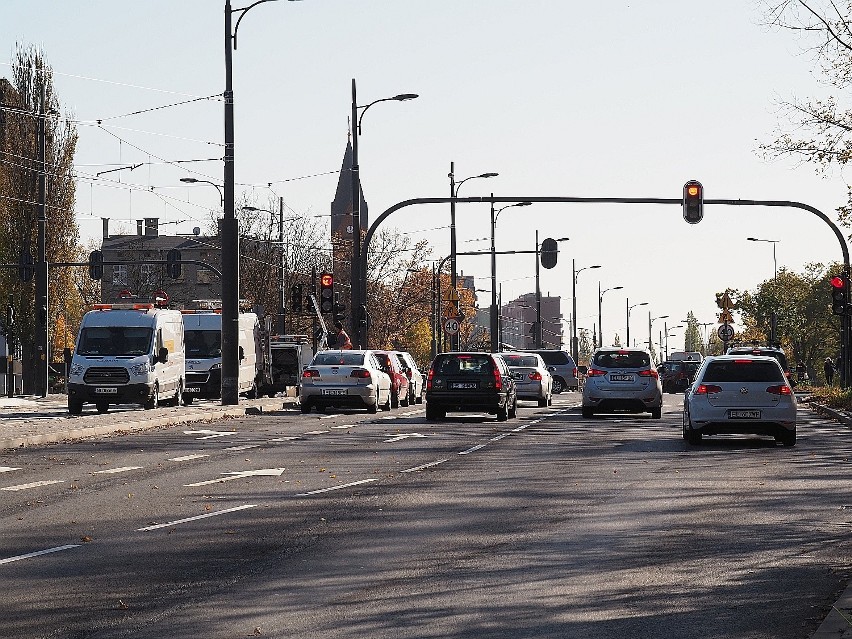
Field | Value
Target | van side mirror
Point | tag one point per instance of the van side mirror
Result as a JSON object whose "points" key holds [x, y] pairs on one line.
{"points": [[163, 355], [67, 355], [242, 353]]}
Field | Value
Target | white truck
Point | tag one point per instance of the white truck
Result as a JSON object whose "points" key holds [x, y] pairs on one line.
{"points": [[127, 354], [203, 331]]}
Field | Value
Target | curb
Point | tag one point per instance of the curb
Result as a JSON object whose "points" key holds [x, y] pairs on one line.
{"points": [[249, 407]]}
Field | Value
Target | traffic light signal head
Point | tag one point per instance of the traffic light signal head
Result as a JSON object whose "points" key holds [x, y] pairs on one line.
{"points": [[339, 309], [96, 265], [693, 202], [296, 298], [839, 294], [326, 293]]}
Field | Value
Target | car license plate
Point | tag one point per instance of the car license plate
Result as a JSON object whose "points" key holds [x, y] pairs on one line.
{"points": [[518, 375], [463, 385], [192, 389], [621, 378], [333, 391], [106, 390], [743, 414]]}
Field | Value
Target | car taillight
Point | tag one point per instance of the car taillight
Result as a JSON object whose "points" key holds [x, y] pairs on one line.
{"points": [[310, 373], [595, 372], [535, 375], [575, 372], [429, 379], [498, 379], [649, 373], [707, 389], [408, 373], [781, 389], [361, 373]]}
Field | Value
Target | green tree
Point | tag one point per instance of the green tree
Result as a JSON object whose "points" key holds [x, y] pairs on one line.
{"points": [[584, 346], [692, 340]]}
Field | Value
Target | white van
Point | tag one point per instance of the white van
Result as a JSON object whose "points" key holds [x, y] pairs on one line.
{"points": [[203, 334], [127, 354]]}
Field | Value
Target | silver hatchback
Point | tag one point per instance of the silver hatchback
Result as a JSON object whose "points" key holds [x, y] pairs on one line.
{"points": [[622, 379]]}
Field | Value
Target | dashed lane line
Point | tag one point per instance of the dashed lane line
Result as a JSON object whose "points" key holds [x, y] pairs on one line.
{"points": [[6, 469], [34, 484], [341, 486], [189, 457], [424, 466], [29, 555], [196, 518], [243, 447], [111, 471]]}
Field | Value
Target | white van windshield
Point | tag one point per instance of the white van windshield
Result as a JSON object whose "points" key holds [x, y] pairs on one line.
{"points": [[115, 340], [203, 344]]}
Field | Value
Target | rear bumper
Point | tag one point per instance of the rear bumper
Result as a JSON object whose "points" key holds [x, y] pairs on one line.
{"points": [[355, 397], [638, 401], [489, 402]]}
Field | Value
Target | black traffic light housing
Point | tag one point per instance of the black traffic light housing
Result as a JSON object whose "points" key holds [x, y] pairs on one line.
{"points": [[26, 270], [693, 202], [296, 298], [326, 293], [338, 309], [839, 294], [173, 265], [96, 265], [549, 252]]}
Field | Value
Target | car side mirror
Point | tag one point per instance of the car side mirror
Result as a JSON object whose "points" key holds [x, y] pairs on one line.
{"points": [[551, 369], [67, 355], [163, 355]]}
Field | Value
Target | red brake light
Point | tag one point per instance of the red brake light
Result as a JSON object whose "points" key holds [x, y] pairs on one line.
{"points": [[707, 389], [535, 375], [429, 379], [575, 371], [649, 373], [742, 361], [498, 380], [781, 389], [310, 373], [595, 372], [361, 373]]}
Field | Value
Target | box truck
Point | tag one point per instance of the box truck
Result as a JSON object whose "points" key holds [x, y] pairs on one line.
{"points": [[127, 354]]}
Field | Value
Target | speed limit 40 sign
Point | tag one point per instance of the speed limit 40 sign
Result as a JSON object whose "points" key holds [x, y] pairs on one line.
{"points": [[451, 326]]}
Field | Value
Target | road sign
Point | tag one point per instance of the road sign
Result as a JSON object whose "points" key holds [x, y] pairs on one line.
{"points": [[452, 295], [725, 332], [725, 317], [451, 326]]}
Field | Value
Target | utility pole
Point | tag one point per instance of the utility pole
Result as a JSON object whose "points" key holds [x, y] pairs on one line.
{"points": [[537, 329], [42, 285], [281, 327]]}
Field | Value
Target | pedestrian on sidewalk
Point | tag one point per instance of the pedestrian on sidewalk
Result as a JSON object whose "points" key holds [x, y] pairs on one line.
{"points": [[828, 369]]}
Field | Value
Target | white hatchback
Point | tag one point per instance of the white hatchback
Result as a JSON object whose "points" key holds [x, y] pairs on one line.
{"points": [[736, 394]]}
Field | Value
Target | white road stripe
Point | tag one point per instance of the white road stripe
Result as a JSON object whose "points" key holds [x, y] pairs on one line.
{"points": [[188, 457], [284, 439], [29, 555], [329, 416], [110, 471], [197, 517], [35, 484], [245, 447], [6, 469], [344, 426], [498, 437], [325, 490], [316, 432], [424, 466], [470, 450]]}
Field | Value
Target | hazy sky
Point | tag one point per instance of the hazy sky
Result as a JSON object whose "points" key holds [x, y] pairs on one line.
{"points": [[561, 98]]}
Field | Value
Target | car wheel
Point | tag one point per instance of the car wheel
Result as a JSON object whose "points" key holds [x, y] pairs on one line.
{"points": [[102, 407], [503, 412], [388, 404], [188, 399], [74, 407], [690, 434], [434, 412], [542, 402], [154, 400], [394, 400], [788, 438], [588, 411], [558, 385], [657, 413], [373, 408], [406, 401], [306, 407], [420, 398], [513, 411]]}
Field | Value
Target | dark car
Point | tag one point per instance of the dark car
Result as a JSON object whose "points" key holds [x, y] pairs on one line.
{"points": [[677, 375], [390, 364], [470, 382]]}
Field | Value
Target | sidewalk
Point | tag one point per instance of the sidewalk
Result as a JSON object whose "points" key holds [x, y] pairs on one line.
{"points": [[33, 421]]}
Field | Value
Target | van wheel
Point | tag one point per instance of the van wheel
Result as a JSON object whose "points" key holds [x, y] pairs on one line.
{"points": [[187, 400], [74, 407], [657, 413], [558, 385], [102, 407], [178, 400], [588, 411], [306, 407], [154, 400], [252, 392]]}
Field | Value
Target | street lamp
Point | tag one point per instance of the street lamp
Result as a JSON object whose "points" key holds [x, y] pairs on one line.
{"points": [[493, 317], [454, 191], [667, 329], [630, 308], [773, 242], [600, 309], [576, 273], [192, 180], [650, 325], [357, 280]]}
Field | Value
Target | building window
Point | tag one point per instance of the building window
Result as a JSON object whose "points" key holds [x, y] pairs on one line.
{"points": [[148, 273], [119, 274]]}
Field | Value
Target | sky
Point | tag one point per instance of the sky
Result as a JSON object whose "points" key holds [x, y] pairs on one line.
{"points": [[561, 98]]}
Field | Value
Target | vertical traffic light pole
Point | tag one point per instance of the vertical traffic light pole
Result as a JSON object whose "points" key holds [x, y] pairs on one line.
{"points": [[42, 282]]}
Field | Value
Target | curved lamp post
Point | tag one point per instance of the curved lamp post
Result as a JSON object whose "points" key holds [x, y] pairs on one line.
{"points": [[357, 280], [192, 180], [576, 273], [600, 310], [630, 308], [493, 316], [651, 321]]}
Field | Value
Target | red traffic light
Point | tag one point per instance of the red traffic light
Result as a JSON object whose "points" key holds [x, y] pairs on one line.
{"points": [[327, 279], [838, 282]]}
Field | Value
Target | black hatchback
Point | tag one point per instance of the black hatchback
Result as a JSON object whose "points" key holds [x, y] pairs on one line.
{"points": [[470, 382]]}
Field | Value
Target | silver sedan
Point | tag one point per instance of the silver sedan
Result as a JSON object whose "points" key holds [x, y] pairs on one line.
{"points": [[740, 394], [345, 378], [532, 379]]}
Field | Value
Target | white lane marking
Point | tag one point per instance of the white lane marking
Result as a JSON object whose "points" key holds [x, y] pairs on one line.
{"points": [[29, 555], [284, 439], [208, 434], [245, 447], [470, 450], [188, 457], [344, 426], [316, 432], [519, 428], [35, 484], [197, 517], [6, 469], [325, 490], [424, 466], [328, 416], [390, 417], [403, 436], [265, 472], [110, 471], [498, 437]]}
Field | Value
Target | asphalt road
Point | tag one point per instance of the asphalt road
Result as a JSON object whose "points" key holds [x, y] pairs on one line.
{"points": [[388, 526]]}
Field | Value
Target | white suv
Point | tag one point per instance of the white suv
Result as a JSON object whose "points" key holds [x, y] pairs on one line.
{"points": [[622, 379]]}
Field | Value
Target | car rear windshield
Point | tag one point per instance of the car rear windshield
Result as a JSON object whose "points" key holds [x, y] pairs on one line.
{"points": [[744, 370], [555, 358], [465, 365], [339, 359], [622, 359], [521, 360], [782, 359]]}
